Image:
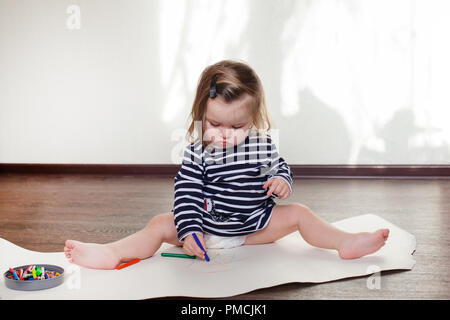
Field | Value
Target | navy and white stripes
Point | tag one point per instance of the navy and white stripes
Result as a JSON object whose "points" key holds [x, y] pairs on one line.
{"points": [[219, 191]]}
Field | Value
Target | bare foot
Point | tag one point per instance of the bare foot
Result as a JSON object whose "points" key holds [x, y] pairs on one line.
{"points": [[91, 255], [364, 243]]}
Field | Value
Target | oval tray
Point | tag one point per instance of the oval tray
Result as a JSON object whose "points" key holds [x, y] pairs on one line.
{"points": [[28, 285]]}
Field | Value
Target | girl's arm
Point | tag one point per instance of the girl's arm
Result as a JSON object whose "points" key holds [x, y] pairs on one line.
{"points": [[188, 193], [279, 168]]}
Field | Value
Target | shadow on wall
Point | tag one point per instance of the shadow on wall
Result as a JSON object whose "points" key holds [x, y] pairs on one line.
{"points": [[398, 137], [310, 140], [317, 130]]}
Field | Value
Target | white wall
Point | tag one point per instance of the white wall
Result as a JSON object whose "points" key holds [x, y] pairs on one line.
{"points": [[347, 82]]}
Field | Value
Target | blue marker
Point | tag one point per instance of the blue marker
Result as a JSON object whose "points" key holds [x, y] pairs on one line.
{"points": [[17, 277], [200, 245]]}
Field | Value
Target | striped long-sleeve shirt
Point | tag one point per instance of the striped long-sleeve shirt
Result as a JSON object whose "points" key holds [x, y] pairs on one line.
{"points": [[219, 191]]}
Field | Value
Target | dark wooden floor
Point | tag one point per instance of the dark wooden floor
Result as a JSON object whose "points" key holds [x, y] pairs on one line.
{"points": [[39, 212]]}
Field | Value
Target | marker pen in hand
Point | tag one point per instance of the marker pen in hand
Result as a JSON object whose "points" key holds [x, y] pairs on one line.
{"points": [[200, 245]]}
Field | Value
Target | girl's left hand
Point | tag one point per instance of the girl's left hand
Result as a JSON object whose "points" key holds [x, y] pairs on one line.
{"points": [[278, 186]]}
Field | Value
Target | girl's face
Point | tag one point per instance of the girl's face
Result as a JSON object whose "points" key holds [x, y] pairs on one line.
{"points": [[227, 124]]}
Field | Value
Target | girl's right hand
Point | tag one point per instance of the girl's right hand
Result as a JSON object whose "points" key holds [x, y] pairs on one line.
{"points": [[191, 248]]}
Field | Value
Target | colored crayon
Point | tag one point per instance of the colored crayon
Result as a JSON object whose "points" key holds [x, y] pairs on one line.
{"points": [[123, 265], [29, 268], [177, 255], [200, 245], [13, 272]]}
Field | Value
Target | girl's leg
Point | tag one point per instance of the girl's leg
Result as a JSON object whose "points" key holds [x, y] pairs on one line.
{"points": [[142, 244], [289, 218]]}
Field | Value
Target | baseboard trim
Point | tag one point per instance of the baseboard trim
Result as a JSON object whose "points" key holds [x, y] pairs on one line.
{"points": [[371, 171], [299, 171]]}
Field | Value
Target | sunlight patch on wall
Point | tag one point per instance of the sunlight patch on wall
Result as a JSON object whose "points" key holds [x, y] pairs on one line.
{"points": [[366, 60], [201, 33], [432, 73]]}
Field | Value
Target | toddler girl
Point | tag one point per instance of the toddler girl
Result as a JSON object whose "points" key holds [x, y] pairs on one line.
{"points": [[225, 189]]}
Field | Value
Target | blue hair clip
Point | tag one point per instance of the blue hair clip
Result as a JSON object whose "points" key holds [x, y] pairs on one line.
{"points": [[212, 88]]}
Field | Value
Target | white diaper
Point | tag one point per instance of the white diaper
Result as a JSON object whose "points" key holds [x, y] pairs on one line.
{"points": [[217, 242]]}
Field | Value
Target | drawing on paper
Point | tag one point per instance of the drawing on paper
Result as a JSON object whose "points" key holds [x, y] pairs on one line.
{"points": [[221, 260]]}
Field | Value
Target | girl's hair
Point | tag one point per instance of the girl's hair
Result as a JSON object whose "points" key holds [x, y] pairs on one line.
{"points": [[233, 79]]}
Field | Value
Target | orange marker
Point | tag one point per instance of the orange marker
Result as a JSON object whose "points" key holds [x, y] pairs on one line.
{"points": [[127, 264]]}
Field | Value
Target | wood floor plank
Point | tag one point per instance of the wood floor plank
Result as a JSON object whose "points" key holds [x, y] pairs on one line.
{"points": [[40, 212]]}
